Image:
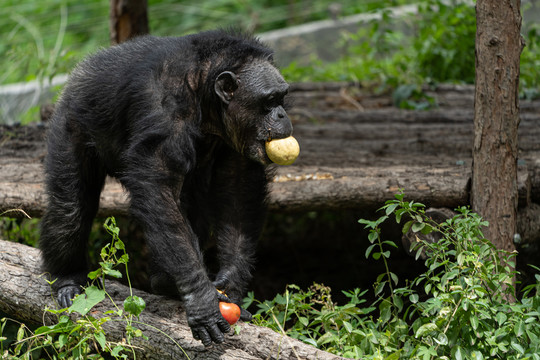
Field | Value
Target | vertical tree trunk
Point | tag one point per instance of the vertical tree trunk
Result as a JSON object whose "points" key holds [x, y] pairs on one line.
{"points": [[496, 118], [128, 18]]}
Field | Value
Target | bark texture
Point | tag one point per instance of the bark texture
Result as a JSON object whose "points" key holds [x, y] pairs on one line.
{"points": [[128, 18], [24, 294], [494, 181]]}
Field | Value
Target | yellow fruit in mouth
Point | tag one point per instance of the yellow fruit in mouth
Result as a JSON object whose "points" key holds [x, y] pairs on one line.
{"points": [[283, 151]]}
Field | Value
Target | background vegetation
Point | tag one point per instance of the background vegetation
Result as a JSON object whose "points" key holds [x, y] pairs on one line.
{"points": [[31, 29], [45, 38]]}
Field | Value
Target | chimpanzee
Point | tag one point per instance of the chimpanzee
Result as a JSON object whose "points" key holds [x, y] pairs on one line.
{"points": [[182, 123]]}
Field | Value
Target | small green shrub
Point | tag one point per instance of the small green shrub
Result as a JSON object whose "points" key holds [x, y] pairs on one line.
{"points": [[461, 307], [82, 336]]}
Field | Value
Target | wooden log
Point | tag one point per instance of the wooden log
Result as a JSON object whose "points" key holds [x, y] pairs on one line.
{"points": [[24, 294], [293, 189]]}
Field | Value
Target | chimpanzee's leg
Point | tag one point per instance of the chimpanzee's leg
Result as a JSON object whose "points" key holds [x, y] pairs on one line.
{"points": [[239, 191], [74, 179]]}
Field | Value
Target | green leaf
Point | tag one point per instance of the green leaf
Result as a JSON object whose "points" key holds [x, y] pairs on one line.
{"points": [[100, 338], [458, 354], [418, 252], [20, 333], [398, 214], [369, 249], [427, 229], [501, 318], [418, 226], [116, 351], [119, 244], [414, 298], [394, 356], [373, 236], [390, 209], [441, 339], [124, 259], [95, 274], [398, 302], [426, 329], [519, 329], [477, 355], [134, 305], [62, 340], [474, 322], [379, 288], [84, 302], [385, 309], [394, 278], [113, 273], [518, 348], [407, 226]]}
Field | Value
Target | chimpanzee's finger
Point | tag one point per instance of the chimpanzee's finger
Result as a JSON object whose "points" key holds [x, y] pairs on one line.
{"points": [[224, 325], [245, 315], [215, 333], [222, 297], [200, 333]]}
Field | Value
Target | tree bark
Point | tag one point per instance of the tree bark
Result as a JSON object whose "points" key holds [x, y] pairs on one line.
{"points": [[494, 193], [128, 18], [24, 294]]}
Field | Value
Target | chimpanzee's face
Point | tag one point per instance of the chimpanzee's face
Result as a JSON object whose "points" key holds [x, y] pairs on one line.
{"points": [[254, 108]]}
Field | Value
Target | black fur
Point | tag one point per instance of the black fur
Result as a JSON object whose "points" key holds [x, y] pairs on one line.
{"points": [[181, 122]]}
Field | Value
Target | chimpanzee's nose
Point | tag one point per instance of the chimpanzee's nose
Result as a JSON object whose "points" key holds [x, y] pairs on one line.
{"points": [[282, 125]]}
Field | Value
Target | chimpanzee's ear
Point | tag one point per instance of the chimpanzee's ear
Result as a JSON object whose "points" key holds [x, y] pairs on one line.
{"points": [[226, 84]]}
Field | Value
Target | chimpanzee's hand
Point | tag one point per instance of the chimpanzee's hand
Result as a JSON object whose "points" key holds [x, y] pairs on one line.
{"points": [[204, 318], [232, 295]]}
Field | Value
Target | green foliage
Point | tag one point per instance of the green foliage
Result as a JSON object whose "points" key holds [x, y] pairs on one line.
{"points": [[444, 43], [21, 230], [529, 78], [436, 45], [78, 334], [461, 307]]}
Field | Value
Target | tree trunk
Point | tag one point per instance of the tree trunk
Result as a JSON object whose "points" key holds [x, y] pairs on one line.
{"points": [[24, 294], [494, 193], [128, 18]]}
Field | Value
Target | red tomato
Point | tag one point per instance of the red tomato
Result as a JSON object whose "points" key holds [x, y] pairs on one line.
{"points": [[230, 311]]}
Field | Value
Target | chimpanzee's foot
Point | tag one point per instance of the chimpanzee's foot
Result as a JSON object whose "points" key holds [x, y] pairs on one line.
{"points": [[66, 295]]}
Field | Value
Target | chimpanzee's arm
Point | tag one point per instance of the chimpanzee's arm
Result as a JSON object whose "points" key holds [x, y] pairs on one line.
{"points": [[239, 191], [155, 190]]}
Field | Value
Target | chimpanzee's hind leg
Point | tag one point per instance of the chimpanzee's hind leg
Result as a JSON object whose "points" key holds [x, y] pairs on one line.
{"points": [[74, 179]]}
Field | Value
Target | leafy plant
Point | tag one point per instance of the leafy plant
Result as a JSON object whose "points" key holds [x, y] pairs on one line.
{"points": [[458, 308], [83, 336]]}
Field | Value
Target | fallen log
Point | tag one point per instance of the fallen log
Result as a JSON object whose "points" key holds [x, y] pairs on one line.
{"points": [[24, 294], [305, 188], [309, 188]]}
